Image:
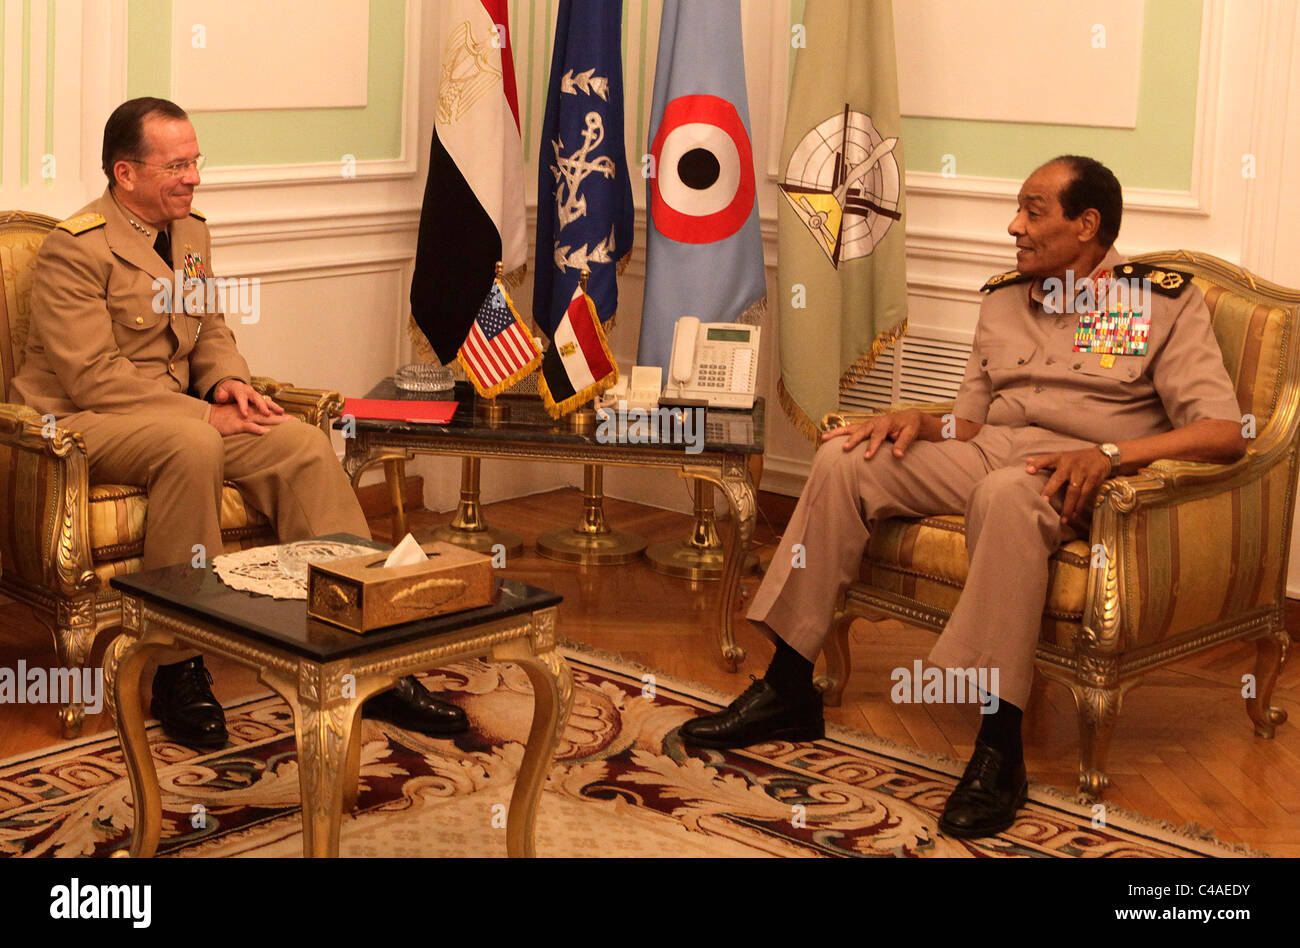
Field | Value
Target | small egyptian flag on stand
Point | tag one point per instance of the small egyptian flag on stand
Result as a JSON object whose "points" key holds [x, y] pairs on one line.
{"points": [[498, 351], [578, 366]]}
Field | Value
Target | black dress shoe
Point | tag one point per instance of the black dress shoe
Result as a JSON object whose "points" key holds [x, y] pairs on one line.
{"points": [[183, 702], [987, 797], [410, 705], [761, 713]]}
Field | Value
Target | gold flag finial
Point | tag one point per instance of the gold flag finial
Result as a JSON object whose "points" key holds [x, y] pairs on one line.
{"points": [[582, 280]]}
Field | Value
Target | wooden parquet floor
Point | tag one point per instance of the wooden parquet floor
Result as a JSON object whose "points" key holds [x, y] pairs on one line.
{"points": [[1183, 751]]}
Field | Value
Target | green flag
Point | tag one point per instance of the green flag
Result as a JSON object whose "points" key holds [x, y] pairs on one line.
{"points": [[841, 265]]}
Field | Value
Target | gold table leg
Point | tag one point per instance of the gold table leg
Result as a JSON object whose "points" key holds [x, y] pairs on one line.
{"points": [[737, 484], [395, 474], [468, 528], [698, 557], [552, 683], [124, 663], [591, 542]]}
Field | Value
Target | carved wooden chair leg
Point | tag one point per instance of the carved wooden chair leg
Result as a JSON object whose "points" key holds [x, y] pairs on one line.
{"points": [[1271, 653], [838, 663], [1098, 711], [74, 634]]}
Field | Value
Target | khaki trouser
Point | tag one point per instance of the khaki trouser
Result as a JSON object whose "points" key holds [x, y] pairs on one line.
{"points": [[291, 475], [1011, 532]]}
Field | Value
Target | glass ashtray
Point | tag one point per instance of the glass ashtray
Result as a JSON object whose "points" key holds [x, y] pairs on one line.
{"points": [[294, 558], [424, 377]]}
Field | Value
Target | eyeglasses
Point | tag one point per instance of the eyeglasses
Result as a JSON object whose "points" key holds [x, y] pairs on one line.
{"points": [[177, 168]]}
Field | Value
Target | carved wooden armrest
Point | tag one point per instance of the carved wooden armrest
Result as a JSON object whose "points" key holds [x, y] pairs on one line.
{"points": [[51, 530], [315, 406]]}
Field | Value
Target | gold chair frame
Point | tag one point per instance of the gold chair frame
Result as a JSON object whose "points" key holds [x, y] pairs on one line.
{"points": [[1101, 668]]}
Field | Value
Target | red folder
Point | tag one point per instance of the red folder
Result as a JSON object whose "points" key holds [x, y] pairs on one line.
{"points": [[377, 409]]}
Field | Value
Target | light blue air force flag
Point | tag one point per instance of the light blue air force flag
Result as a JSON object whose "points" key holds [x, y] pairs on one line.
{"points": [[705, 254]]}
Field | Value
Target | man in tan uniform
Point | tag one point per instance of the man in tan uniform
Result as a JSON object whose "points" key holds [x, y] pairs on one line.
{"points": [[1068, 384], [148, 373]]}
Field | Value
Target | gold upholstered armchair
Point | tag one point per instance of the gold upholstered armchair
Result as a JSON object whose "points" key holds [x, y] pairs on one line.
{"points": [[63, 538], [1182, 555]]}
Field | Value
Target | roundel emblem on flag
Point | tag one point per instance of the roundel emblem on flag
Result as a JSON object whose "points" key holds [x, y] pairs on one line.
{"points": [[703, 187]]}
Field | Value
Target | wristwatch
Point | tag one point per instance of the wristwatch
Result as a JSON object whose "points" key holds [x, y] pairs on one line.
{"points": [[1111, 450]]}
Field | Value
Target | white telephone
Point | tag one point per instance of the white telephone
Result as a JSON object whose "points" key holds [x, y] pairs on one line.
{"points": [[715, 363]]}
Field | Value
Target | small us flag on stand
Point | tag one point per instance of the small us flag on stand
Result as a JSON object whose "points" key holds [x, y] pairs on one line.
{"points": [[498, 351]]}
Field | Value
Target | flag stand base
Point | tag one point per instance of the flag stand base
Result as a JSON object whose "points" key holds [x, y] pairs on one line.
{"points": [[592, 542], [495, 412], [468, 529], [699, 557], [582, 421]]}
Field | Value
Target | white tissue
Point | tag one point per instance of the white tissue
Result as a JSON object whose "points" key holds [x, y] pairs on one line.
{"points": [[406, 553]]}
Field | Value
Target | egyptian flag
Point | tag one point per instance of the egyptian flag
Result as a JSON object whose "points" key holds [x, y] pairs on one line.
{"points": [[578, 366], [473, 211], [705, 254], [585, 214]]}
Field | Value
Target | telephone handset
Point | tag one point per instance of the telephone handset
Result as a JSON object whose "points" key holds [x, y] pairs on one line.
{"points": [[716, 363]]}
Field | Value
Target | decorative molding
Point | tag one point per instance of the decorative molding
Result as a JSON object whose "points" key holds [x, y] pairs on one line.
{"points": [[315, 268], [406, 165], [356, 222]]}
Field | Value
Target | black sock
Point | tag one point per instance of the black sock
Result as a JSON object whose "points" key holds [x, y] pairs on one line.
{"points": [[1001, 730], [789, 673]]}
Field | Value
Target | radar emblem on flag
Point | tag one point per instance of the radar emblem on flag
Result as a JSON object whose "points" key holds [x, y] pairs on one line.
{"points": [[843, 182]]}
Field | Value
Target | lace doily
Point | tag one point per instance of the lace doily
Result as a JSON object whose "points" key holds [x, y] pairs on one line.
{"points": [[280, 571]]}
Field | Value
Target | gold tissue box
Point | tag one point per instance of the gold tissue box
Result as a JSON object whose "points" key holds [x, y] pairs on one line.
{"points": [[360, 595]]}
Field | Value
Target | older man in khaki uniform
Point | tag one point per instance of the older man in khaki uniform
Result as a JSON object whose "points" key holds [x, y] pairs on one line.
{"points": [[127, 349], [1067, 384]]}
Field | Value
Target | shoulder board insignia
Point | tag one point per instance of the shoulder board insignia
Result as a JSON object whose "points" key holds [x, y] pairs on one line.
{"points": [[1166, 282], [83, 222], [1004, 279], [195, 212]]}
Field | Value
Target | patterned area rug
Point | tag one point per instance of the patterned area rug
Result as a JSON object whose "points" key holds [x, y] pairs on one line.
{"points": [[622, 786]]}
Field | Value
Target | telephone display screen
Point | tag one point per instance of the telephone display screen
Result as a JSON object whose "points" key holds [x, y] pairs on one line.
{"points": [[728, 335]]}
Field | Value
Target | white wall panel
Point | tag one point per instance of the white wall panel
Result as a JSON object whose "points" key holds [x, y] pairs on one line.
{"points": [[303, 54], [1021, 60]]}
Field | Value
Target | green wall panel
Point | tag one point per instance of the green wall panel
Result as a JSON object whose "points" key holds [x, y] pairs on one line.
{"points": [[284, 136]]}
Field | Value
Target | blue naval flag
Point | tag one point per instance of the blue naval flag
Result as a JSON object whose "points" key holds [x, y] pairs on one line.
{"points": [[584, 194], [705, 255]]}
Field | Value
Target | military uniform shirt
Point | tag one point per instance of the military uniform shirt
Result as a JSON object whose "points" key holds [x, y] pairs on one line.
{"points": [[1023, 369]]}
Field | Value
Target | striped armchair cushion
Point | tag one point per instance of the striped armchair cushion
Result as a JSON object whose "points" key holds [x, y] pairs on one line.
{"points": [[117, 518], [1251, 337], [925, 560]]}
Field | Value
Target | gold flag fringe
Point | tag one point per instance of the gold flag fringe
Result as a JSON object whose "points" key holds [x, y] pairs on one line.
{"points": [[423, 351], [858, 371], [521, 373], [755, 314], [798, 417], [862, 367], [515, 277], [556, 409]]}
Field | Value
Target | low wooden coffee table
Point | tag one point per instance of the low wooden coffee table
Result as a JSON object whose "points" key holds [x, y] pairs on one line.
{"points": [[325, 673]]}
